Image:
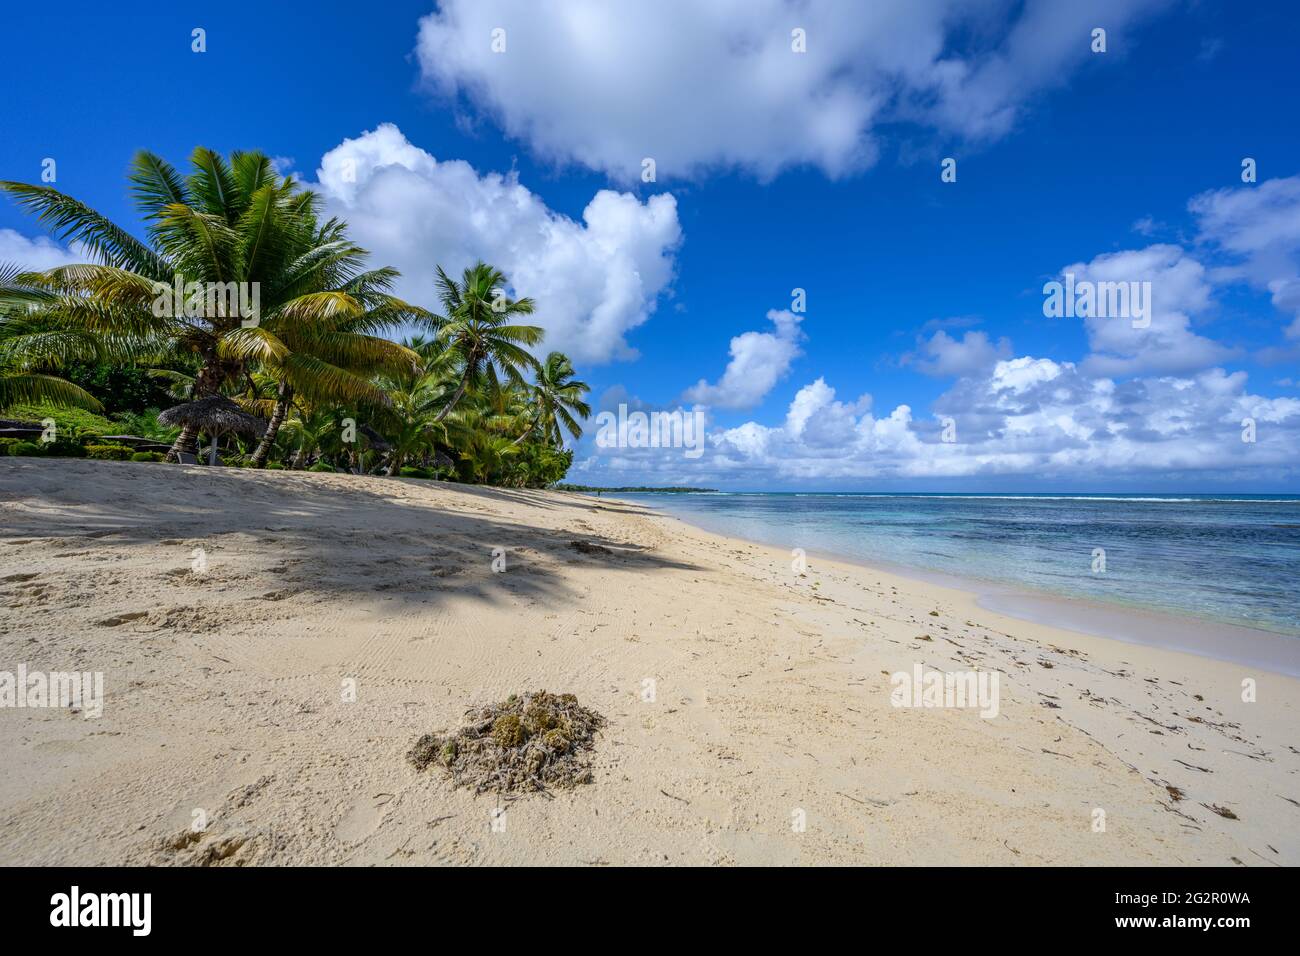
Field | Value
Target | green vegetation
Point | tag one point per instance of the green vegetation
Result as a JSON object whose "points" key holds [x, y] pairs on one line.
{"points": [[68, 420], [109, 452], [100, 347]]}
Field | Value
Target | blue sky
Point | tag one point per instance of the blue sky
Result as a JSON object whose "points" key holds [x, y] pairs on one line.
{"points": [[776, 170]]}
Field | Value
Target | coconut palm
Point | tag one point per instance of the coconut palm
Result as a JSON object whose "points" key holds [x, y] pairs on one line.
{"points": [[415, 417], [556, 396], [334, 359], [226, 222], [476, 328], [488, 455], [30, 343], [310, 429]]}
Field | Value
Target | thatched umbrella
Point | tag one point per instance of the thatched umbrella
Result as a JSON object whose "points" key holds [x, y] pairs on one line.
{"points": [[215, 415]]}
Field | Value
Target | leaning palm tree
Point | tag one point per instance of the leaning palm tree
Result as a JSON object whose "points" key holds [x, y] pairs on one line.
{"points": [[556, 395], [31, 345], [476, 328], [226, 226], [333, 359]]}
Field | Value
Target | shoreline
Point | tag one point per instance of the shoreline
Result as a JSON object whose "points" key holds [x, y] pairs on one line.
{"points": [[1142, 626], [738, 696]]}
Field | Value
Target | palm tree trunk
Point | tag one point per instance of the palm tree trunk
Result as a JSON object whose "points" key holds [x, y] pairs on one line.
{"points": [[186, 441], [394, 463], [460, 391], [282, 401], [527, 431]]}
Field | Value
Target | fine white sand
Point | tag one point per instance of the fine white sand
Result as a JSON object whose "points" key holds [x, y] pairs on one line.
{"points": [[771, 691]]}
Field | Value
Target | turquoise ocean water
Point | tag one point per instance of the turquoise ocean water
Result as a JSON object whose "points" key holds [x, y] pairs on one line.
{"points": [[1229, 558]]}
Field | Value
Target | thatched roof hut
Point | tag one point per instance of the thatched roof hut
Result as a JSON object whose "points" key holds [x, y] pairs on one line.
{"points": [[214, 415]]}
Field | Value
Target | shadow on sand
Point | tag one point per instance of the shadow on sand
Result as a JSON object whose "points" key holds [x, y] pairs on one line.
{"points": [[400, 538]]}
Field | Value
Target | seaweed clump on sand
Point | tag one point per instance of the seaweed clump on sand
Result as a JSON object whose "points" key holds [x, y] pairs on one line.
{"points": [[528, 742]]}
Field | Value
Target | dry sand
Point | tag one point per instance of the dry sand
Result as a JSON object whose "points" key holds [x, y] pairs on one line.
{"points": [[223, 691]]}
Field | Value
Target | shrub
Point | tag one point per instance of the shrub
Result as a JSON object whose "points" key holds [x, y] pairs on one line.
{"points": [[145, 424], [6, 444], [321, 466], [413, 472], [109, 452], [26, 448], [121, 388], [68, 421], [147, 456], [65, 447], [274, 466]]}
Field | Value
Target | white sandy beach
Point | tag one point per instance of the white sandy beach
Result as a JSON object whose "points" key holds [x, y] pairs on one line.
{"points": [[771, 704]]}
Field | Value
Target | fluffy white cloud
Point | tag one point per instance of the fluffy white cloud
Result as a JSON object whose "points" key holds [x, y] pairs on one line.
{"points": [[593, 280], [1163, 340], [1025, 416], [1151, 403], [1259, 228], [698, 85], [946, 357], [34, 255], [758, 361]]}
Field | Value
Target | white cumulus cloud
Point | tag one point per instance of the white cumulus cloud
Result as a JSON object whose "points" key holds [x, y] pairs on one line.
{"points": [[696, 85], [758, 361], [593, 281], [1258, 227], [1163, 339], [946, 357], [35, 255]]}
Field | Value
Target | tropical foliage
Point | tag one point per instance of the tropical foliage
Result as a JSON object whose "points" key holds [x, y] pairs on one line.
{"points": [[316, 357]]}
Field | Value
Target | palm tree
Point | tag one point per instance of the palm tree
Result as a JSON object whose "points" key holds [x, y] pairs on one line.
{"points": [[476, 328], [556, 395], [488, 455], [29, 343], [311, 430], [333, 359], [226, 222], [415, 416]]}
